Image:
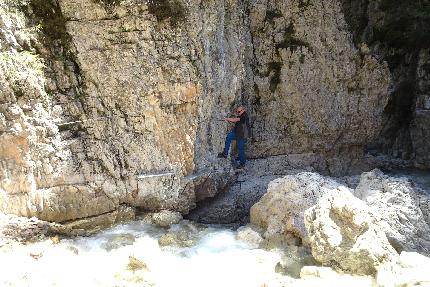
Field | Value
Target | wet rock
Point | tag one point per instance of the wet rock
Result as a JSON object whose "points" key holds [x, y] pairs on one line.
{"points": [[293, 260], [343, 234], [55, 239], [135, 264], [96, 223], [250, 235], [399, 208], [73, 249], [36, 256], [164, 218], [280, 212], [119, 240], [181, 238]]}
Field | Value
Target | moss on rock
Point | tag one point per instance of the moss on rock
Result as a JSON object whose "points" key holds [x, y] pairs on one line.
{"points": [[167, 9]]}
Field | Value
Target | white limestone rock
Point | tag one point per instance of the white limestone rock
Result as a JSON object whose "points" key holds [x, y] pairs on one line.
{"points": [[343, 234], [396, 205], [281, 210]]}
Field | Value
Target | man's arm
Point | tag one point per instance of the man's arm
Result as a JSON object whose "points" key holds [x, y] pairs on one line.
{"points": [[232, 120]]}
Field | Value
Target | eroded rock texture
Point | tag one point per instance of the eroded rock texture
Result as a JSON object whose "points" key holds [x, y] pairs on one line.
{"points": [[343, 234], [96, 96], [281, 210], [397, 32], [395, 203]]}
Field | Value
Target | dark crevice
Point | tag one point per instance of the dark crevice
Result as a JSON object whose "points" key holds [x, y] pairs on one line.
{"points": [[396, 36]]}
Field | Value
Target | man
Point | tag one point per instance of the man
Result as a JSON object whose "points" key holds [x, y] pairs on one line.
{"points": [[239, 133]]}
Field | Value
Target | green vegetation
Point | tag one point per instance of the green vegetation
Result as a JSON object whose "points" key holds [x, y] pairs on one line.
{"points": [[23, 69], [406, 24], [303, 4], [302, 58], [167, 9], [291, 41], [275, 69], [271, 15], [48, 19]]}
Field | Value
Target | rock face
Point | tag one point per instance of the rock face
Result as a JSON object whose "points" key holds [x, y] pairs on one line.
{"points": [[325, 94], [120, 99], [395, 203], [281, 210], [401, 43], [343, 234]]}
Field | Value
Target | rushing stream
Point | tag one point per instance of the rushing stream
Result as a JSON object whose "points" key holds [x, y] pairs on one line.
{"points": [[131, 255], [140, 254]]}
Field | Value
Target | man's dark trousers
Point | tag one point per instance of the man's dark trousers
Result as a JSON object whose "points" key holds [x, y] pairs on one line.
{"points": [[240, 146]]}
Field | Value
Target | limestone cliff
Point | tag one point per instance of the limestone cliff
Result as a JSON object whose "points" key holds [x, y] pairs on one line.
{"points": [[398, 33], [97, 95]]}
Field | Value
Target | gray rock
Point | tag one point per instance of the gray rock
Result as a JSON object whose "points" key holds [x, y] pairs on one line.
{"points": [[343, 234], [164, 218], [281, 210], [399, 209]]}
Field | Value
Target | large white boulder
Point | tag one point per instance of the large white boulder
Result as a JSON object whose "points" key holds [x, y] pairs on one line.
{"points": [[395, 203], [281, 210], [410, 270], [343, 234]]}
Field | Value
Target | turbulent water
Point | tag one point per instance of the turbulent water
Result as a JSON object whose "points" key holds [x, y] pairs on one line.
{"points": [[131, 255]]}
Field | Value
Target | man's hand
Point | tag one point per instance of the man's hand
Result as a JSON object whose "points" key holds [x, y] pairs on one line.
{"points": [[232, 120]]}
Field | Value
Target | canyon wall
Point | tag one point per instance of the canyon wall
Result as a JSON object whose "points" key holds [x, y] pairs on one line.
{"points": [[110, 103], [398, 34]]}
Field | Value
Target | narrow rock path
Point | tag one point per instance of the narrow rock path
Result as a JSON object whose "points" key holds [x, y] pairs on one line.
{"points": [[232, 205]]}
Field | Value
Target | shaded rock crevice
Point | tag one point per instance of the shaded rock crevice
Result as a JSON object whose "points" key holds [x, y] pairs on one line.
{"points": [[397, 34]]}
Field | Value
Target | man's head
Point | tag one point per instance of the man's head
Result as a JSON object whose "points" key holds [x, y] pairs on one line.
{"points": [[240, 110]]}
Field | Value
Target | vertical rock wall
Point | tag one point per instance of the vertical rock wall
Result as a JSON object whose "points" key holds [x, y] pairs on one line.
{"points": [[125, 108], [398, 33]]}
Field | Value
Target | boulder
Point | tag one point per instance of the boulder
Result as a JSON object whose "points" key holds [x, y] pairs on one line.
{"points": [[343, 234], [164, 218], [396, 204], [119, 240], [250, 235], [281, 210]]}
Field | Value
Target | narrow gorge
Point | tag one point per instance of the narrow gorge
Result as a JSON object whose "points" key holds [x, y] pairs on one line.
{"points": [[111, 111]]}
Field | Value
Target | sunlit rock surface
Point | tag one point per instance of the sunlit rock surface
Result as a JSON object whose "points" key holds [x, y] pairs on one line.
{"points": [[281, 210], [399, 208], [343, 234], [101, 95], [164, 218]]}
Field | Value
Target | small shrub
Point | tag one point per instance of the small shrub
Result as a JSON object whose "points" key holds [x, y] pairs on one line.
{"points": [[275, 69], [271, 15], [167, 9], [48, 19]]}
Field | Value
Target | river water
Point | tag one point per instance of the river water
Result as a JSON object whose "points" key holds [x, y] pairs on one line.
{"points": [[210, 256], [139, 254]]}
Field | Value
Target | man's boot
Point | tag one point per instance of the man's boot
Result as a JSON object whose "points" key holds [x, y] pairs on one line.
{"points": [[222, 155]]}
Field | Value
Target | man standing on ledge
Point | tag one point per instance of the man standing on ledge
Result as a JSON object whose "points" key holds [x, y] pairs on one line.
{"points": [[239, 133]]}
